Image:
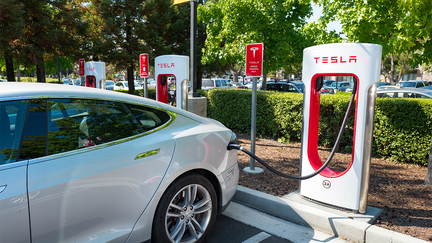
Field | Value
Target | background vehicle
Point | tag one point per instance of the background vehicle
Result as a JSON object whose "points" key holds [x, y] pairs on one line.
{"points": [[76, 82], [123, 85], [151, 84], [216, 84], [291, 86], [109, 84], [80, 164], [326, 87], [340, 86], [3, 80], [413, 84], [388, 87], [67, 81], [405, 93]]}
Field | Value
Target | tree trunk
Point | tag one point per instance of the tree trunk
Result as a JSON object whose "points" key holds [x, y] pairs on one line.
{"points": [[391, 74], [9, 66], [131, 80], [402, 68], [428, 179], [234, 73]]}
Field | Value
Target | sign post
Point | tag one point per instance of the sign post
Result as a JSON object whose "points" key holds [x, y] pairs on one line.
{"points": [[81, 71], [254, 68], [144, 67]]}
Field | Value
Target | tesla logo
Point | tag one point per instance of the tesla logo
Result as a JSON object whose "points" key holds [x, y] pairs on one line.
{"points": [[90, 69], [254, 49], [326, 184], [336, 59], [166, 65]]}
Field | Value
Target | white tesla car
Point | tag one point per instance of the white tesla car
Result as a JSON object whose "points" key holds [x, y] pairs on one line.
{"points": [[81, 164]]}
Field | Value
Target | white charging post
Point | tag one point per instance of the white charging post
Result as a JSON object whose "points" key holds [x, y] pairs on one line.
{"points": [[95, 74], [177, 66], [343, 189]]}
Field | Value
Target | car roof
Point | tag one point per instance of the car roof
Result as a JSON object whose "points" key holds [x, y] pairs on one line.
{"points": [[406, 90]]}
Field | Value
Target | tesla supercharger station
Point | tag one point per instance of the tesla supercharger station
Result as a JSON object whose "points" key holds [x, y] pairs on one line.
{"points": [[344, 189], [177, 66], [95, 74]]}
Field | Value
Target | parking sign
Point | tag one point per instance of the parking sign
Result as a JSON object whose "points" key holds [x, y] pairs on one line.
{"points": [[254, 59], [144, 65], [81, 67]]}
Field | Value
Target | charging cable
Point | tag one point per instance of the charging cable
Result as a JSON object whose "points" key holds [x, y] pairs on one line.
{"points": [[236, 146]]}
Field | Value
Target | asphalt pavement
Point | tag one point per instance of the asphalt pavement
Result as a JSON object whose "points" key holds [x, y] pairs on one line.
{"points": [[305, 215]]}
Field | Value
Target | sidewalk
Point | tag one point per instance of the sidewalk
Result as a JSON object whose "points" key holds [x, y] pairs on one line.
{"points": [[350, 226]]}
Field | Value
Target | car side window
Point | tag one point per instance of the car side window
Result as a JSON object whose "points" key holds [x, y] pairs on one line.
{"points": [[290, 88], [34, 139], [76, 123], [218, 83], [149, 118], [12, 120]]}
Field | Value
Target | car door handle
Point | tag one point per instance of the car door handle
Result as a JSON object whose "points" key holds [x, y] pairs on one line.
{"points": [[2, 188], [147, 154]]}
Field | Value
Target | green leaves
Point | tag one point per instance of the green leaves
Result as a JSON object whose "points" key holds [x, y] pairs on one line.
{"points": [[232, 24]]}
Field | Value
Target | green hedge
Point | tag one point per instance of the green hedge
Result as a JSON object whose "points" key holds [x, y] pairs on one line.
{"points": [[402, 132]]}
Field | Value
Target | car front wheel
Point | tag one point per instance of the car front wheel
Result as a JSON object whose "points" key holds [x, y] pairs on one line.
{"points": [[186, 212]]}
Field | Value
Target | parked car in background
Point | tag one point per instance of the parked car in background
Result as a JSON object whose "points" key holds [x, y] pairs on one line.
{"points": [[290, 86], [91, 165], [380, 84], [151, 84], [405, 93], [239, 85], [249, 85], [340, 86], [388, 87], [123, 85], [328, 82], [76, 82], [413, 84], [67, 81], [109, 85], [216, 84], [3, 80]]}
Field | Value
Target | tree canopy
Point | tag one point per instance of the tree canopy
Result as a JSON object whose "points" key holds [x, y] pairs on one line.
{"points": [[232, 24], [402, 27]]}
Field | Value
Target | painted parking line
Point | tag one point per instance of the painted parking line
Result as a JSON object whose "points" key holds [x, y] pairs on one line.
{"points": [[257, 238]]}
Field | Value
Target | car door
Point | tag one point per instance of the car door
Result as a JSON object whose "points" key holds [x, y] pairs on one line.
{"points": [[99, 172], [14, 214]]}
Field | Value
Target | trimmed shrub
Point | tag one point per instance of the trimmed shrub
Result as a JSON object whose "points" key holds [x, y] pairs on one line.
{"points": [[402, 127]]}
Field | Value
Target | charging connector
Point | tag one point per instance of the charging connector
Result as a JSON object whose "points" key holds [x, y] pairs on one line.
{"points": [[236, 146]]}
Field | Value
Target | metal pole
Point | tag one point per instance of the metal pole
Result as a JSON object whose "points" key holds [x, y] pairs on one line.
{"points": [[145, 88], [193, 48], [253, 121]]}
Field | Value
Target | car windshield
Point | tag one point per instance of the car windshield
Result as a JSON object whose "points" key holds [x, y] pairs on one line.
{"points": [[339, 84], [207, 82], [300, 86], [407, 84], [109, 82]]}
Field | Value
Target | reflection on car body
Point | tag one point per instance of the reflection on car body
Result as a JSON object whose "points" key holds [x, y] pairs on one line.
{"points": [[78, 164]]}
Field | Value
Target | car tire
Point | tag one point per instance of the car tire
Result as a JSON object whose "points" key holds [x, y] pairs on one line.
{"points": [[187, 211]]}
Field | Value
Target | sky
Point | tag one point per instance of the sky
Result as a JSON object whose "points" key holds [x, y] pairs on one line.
{"points": [[317, 13]]}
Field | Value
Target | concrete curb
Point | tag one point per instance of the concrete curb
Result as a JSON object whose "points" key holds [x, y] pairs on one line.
{"points": [[346, 225]]}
